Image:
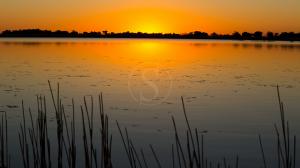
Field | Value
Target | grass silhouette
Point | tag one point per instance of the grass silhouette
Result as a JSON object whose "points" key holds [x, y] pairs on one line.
{"points": [[189, 151]]}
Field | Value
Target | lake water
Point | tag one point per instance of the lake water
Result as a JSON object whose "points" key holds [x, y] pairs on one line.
{"points": [[229, 89]]}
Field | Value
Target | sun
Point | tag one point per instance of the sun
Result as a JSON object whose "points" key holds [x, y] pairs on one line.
{"points": [[149, 26], [146, 20]]}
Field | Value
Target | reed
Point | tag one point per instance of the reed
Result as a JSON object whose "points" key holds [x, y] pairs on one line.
{"points": [[35, 149], [286, 148], [190, 152], [128, 146], [64, 142], [35, 145], [90, 152], [70, 146], [187, 151], [88, 133], [286, 145], [262, 151], [4, 156], [106, 137]]}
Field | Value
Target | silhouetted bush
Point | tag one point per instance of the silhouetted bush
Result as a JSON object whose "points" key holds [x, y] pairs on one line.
{"points": [[258, 35]]}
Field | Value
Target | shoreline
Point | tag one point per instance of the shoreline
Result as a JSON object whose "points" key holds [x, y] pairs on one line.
{"points": [[150, 38]]}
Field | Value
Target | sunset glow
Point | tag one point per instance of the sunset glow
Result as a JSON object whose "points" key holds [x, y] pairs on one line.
{"points": [[96, 83]]}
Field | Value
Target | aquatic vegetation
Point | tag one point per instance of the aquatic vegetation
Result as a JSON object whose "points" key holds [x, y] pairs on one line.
{"points": [[187, 151], [4, 156]]}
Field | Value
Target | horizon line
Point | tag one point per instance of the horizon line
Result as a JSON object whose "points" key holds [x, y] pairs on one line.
{"points": [[257, 35], [127, 31]]}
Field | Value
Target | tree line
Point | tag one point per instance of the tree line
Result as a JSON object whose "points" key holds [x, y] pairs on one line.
{"points": [[258, 35]]}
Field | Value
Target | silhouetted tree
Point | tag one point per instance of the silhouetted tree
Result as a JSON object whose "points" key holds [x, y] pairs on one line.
{"points": [[258, 35], [270, 36], [287, 36], [214, 35], [246, 36], [201, 35], [105, 32], [74, 33], [236, 36]]}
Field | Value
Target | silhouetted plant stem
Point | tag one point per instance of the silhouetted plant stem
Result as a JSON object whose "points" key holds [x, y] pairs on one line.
{"points": [[262, 151], [4, 156], [155, 156], [35, 145], [144, 159], [237, 162], [294, 163]]}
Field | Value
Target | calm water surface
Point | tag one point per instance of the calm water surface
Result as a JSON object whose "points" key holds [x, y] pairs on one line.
{"points": [[228, 87]]}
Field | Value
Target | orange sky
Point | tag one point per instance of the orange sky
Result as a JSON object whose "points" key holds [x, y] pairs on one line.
{"points": [[152, 16]]}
